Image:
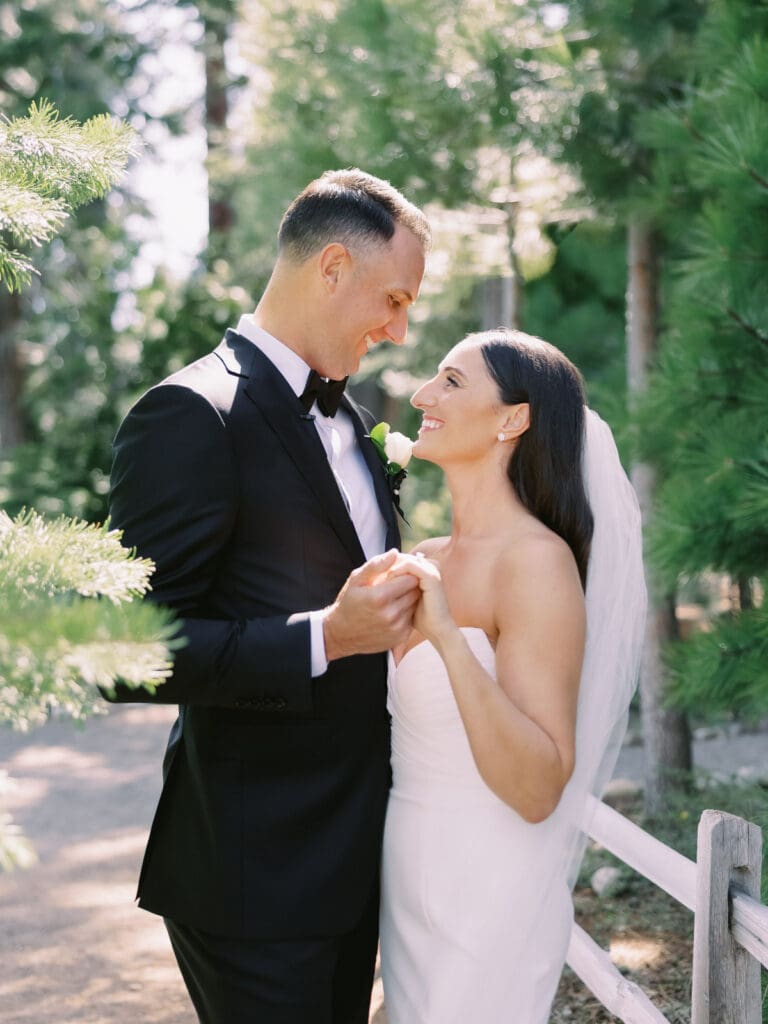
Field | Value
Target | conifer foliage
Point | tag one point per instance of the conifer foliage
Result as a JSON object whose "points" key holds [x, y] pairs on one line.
{"points": [[70, 618], [704, 420], [48, 167]]}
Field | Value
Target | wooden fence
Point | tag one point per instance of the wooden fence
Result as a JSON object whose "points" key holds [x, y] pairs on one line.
{"points": [[730, 937]]}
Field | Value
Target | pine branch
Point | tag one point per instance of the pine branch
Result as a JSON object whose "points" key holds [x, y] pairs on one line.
{"points": [[29, 219], [761, 181], [753, 331], [62, 159], [29, 216], [58, 643], [15, 269], [49, 167], [50, 558]]}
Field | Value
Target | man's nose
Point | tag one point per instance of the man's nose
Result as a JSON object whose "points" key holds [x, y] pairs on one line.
{"points": [[397, 328]]}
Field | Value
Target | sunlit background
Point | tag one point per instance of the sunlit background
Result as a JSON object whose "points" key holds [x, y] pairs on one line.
{"points": [[595, 172]]}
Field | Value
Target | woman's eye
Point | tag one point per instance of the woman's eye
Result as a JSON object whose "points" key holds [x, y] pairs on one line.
{"points": [[451, 381]]}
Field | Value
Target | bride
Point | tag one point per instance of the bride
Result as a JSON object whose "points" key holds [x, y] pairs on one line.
{"points": [[509, 700]]}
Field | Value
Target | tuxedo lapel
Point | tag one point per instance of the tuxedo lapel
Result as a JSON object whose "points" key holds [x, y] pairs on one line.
{"points": [[376, 469], [269, 392]]}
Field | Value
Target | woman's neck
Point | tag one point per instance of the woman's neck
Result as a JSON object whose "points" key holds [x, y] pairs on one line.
{"points": [[482, 501]]}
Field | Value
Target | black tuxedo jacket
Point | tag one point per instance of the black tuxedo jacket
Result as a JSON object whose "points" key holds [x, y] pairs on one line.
{"points": [[275, 784]]}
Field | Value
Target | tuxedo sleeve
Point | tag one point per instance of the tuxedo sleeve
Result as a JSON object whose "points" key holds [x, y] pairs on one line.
{"points": [[175, 497]]}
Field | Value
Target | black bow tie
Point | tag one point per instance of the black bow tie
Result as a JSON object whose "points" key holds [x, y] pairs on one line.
{"points": [[327, 393]]}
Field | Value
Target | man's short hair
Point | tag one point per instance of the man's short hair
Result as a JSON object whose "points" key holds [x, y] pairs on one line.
{"points": [[350, 207]]}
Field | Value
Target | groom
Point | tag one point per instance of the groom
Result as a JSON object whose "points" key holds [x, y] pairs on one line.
{"points": [[251, 484]]}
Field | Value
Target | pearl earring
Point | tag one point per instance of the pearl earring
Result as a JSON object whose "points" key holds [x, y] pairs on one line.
{"points": [[501, 436]]}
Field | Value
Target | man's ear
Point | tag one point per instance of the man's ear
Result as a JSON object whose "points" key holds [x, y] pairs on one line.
{"points": [[331, 263], [518, 420]]}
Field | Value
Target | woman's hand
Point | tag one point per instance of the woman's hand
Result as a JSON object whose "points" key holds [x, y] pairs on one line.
{"points": [[432, 616]]}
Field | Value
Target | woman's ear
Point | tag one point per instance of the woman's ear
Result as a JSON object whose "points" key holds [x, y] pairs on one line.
{"points": [[517, 421]]}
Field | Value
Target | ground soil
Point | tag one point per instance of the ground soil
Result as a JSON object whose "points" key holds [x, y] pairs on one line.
{"points": [[74, 949]]}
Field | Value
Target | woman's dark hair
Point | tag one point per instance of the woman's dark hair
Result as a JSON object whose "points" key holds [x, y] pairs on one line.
{"points": [[545, 467], [347, 206]]}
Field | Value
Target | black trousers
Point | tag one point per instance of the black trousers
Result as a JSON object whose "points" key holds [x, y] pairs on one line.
{"points": [[294, 981]]}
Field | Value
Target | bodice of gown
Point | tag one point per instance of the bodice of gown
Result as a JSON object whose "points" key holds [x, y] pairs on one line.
{"points": [[432, 761]]}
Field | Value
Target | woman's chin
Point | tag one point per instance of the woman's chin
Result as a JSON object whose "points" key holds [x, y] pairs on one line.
{"points": [[421, 451]]}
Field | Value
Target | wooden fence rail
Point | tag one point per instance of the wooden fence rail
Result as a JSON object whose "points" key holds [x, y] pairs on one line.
{"points": [[722, 888], [749, 924]]}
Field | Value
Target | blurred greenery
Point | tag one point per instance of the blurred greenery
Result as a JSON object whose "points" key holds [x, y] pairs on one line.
{"points": [[532, 133], [703, 422]]}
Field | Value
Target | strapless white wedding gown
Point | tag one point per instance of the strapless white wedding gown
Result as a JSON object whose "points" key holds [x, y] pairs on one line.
{"points": [[476, 913]]}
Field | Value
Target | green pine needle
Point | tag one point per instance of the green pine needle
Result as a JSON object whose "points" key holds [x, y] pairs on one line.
{"points": [[48, 167], [71, 621]]}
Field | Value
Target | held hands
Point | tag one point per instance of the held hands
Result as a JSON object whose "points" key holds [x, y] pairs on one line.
{"points": [[432, 616], [373, 611]]}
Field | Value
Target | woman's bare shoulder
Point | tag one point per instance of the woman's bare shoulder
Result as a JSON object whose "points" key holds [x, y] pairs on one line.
{"points": [[537, 592], [534, 553]]}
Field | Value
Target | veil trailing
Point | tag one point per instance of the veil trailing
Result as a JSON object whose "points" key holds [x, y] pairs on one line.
{"points": [[616, 604]]}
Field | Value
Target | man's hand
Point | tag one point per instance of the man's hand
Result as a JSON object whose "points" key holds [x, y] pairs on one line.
{"points": [[432, 616], [372, 613]]}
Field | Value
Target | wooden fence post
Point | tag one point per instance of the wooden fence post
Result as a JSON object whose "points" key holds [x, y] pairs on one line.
{"points": [[726, 978]]}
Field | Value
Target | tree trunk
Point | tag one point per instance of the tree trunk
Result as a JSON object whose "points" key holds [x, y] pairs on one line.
{"points": [[746, 597], [514, 314], [666, 734], [220, 213], [11, 419], [502, 297], [499, 307]]}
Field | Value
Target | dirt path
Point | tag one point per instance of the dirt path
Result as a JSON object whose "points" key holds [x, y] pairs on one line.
{"points": [[74, 949]]}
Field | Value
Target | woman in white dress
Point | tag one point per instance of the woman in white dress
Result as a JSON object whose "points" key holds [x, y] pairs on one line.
{"points": [[501, 726]]}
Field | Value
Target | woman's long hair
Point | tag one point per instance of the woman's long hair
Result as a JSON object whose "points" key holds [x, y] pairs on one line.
{"points": [[545, 467]]}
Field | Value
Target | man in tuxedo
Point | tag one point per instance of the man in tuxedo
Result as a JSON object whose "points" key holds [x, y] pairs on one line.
{"points": [[268, 515]]}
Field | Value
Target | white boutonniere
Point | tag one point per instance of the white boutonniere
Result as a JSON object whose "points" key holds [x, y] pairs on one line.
{"points": [[394, 449]]}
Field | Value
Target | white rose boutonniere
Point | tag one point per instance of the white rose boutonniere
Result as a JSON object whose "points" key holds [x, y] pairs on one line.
{"points": [[394, 450], [398, 448]]}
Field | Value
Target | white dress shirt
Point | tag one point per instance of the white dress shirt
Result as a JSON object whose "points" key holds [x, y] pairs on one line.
{"points": [[347, 463]]}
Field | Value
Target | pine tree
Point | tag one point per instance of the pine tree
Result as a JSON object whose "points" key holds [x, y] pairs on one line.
{"points": [[704, 419], [632, 58]]}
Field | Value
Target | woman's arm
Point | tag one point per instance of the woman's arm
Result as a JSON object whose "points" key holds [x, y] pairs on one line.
{"points": [[521, 726]]}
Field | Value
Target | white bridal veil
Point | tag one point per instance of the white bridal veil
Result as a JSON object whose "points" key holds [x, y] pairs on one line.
{"points": [[616, 609]]}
